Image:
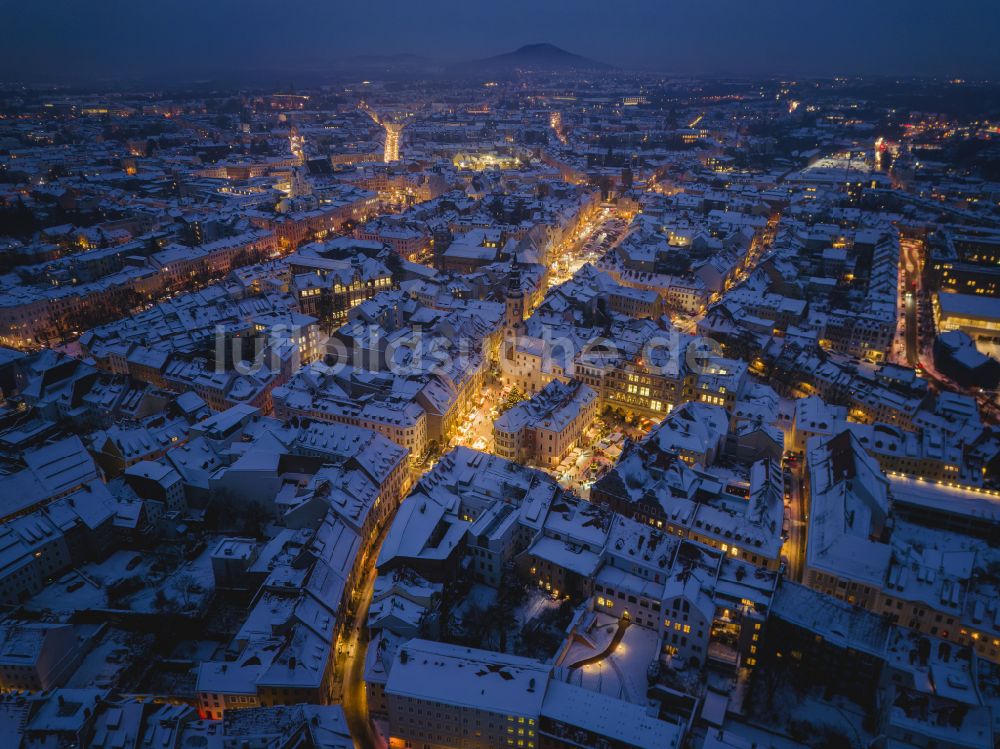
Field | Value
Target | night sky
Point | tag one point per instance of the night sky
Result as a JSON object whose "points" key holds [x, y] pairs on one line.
{"points": [[76, 39]]}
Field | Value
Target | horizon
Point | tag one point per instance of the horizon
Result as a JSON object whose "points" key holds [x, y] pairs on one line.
{"points": [[59, 41]]}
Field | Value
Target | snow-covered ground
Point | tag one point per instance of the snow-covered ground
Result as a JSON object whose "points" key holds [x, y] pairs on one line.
{"points": [[111, 656], [186, 588], [760, 738], [538, 602], [624, 673], [839, 715]]}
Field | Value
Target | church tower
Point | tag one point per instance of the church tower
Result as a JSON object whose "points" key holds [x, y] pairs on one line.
{"points": [[514, 299], [297, 143]]}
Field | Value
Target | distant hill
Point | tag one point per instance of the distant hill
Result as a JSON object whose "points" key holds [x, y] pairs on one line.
{"points": [[540, 57]]}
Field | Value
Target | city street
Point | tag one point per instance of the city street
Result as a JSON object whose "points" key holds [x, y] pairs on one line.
{"points": [[476, 431], [587, 462], [910, 263], [353, 696], [920, 330], [794, 548]]}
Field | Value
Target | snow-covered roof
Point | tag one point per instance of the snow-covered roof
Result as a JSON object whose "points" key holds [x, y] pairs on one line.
{"points": [[469, 678]]}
